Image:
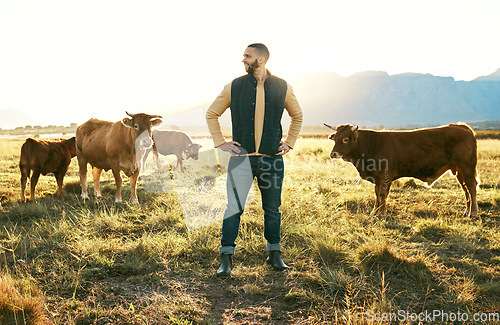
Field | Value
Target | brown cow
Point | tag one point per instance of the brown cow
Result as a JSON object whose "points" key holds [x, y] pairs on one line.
{"points": [[172, 143], [107, 145], [43, 157], [384, 156]]}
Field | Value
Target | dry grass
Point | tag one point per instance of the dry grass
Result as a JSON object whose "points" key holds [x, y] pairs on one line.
{"points": [[96, 262], [20, 303]]}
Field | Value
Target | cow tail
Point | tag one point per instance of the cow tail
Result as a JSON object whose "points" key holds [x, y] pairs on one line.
{"points": [[25, 152], [24, 160], [476, 173]]}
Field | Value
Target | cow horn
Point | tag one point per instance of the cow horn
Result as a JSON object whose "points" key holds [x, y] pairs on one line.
{"points": [[354, 128], [330, 127], [155, 116], [129, 114]]}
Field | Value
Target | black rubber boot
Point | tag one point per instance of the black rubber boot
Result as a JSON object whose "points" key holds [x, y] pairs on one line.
{"points": [[226, 262], [275, 261]]}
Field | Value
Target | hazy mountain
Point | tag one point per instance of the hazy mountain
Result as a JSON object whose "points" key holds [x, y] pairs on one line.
{"points": [[10, 119], [374, 98], [495, 76], [370, 98]]}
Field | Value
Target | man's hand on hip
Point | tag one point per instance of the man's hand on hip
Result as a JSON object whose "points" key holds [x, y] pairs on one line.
{"points": [[231, 147], [284, 148]]}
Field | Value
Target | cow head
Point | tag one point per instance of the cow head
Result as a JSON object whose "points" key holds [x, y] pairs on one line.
{"points": [[191, 151], [141, 125], [346, 140]]}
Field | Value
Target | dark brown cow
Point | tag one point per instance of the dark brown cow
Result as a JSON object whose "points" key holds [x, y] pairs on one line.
{"points": [[43, 157], [384, 156], [172, 143], [107, 145]]}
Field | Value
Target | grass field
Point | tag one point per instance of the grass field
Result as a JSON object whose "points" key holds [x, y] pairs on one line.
{"points": [[96, 262]]}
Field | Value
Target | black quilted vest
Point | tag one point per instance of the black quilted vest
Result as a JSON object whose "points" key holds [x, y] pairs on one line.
{"points": [[243, 98]]}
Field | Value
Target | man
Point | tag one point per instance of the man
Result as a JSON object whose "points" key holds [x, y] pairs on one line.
{"points": [[256, 101]]}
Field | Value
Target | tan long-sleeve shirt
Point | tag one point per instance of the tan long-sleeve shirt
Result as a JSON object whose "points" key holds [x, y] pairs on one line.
{"points": [[223, 101]]}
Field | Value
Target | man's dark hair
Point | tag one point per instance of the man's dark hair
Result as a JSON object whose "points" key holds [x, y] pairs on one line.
{"points": [[261, 50]]}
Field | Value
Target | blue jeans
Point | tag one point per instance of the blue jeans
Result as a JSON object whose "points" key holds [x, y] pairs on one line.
{"points": [[269, 171]]}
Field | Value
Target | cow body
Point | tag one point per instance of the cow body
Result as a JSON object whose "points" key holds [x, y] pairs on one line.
{"points": [[426, 154], [107, 145], [172, 143], [43, 157]]}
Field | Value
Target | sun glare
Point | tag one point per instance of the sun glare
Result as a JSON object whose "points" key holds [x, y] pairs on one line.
{"points": [[322, 47]]}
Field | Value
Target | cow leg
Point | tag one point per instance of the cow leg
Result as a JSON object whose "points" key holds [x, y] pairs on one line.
{"points": [[59, 178], [384, 191], [25, 173], [380, 207], [34, 181], [96, 174], [82, 166], [382, 188], [469, 185], [118, 182], [461, 181], [133, 183], [377, 202], [179, 163], [144, 156], [472, 184], [155, 159]]}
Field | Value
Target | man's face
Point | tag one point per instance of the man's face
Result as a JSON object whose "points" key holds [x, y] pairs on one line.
{"points": [[250, 60]]}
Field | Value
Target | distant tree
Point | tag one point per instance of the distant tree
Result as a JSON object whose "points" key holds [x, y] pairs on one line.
{"points": [[28, 127]]}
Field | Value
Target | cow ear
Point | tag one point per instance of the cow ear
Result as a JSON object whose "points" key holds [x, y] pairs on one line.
{"points": [[199, 146], [156, 122], [127, 122], [332, 136]]}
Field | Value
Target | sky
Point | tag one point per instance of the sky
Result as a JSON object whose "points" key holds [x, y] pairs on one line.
{"points": [[68, 61]]}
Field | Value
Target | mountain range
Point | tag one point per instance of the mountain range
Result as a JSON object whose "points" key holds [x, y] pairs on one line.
{"points": [[370, 98], [374, 98], [11, 118]]}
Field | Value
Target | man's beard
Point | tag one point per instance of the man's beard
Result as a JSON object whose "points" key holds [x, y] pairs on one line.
{"points": [[252, 67]]}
